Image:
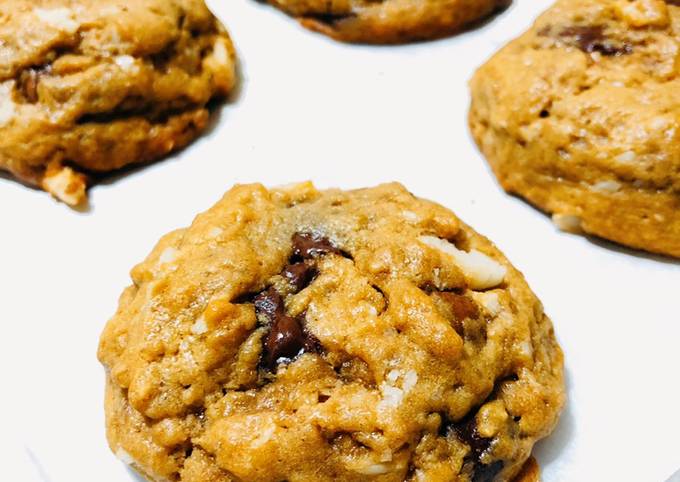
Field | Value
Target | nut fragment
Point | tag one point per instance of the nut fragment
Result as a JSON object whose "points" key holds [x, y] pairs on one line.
{"points": [[124, 457], [58, 18], [199, 327], [644, 13], [568, 223], [65, 185], [608, 186], [481, 271]]}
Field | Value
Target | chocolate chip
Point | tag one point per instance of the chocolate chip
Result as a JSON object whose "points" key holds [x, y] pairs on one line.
{"points": [[286, 340], [673, 2], [486, 473], [591, 38], [308, 246], [299, 275], [29, 80], [466, 431]]}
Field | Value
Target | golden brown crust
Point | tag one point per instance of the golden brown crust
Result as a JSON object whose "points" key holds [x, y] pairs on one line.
{"points": [[388, 21], [579, 116], [293, 334], [93, 86]]}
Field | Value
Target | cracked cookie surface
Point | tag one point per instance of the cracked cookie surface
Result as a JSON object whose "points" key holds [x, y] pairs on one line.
{"points": [[388, 21], [581, 116], [92, 86], [304, 335]]}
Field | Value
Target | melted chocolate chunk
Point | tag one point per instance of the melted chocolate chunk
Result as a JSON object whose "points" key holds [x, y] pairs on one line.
{"points": [[591, 38], [466, 431], [286, 338], [309, 246], [486, 473], [269, 305], [675, 3], [29, 80], [299, 275]]}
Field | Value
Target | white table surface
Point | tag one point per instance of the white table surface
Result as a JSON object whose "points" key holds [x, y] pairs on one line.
{"points": [[346, 116]]}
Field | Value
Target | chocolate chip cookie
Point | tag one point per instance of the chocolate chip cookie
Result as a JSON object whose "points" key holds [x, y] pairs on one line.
{"points": [[297, 334], [388, 21], [91, 86], [580, 115]]}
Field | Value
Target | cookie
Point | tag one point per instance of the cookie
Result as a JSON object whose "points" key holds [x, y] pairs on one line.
{"points": [[305, 335], [388, 21], [92, 86], [580, 116]]}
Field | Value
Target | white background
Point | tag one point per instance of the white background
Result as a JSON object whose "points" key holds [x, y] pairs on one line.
{"points": [[346, 116]]}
